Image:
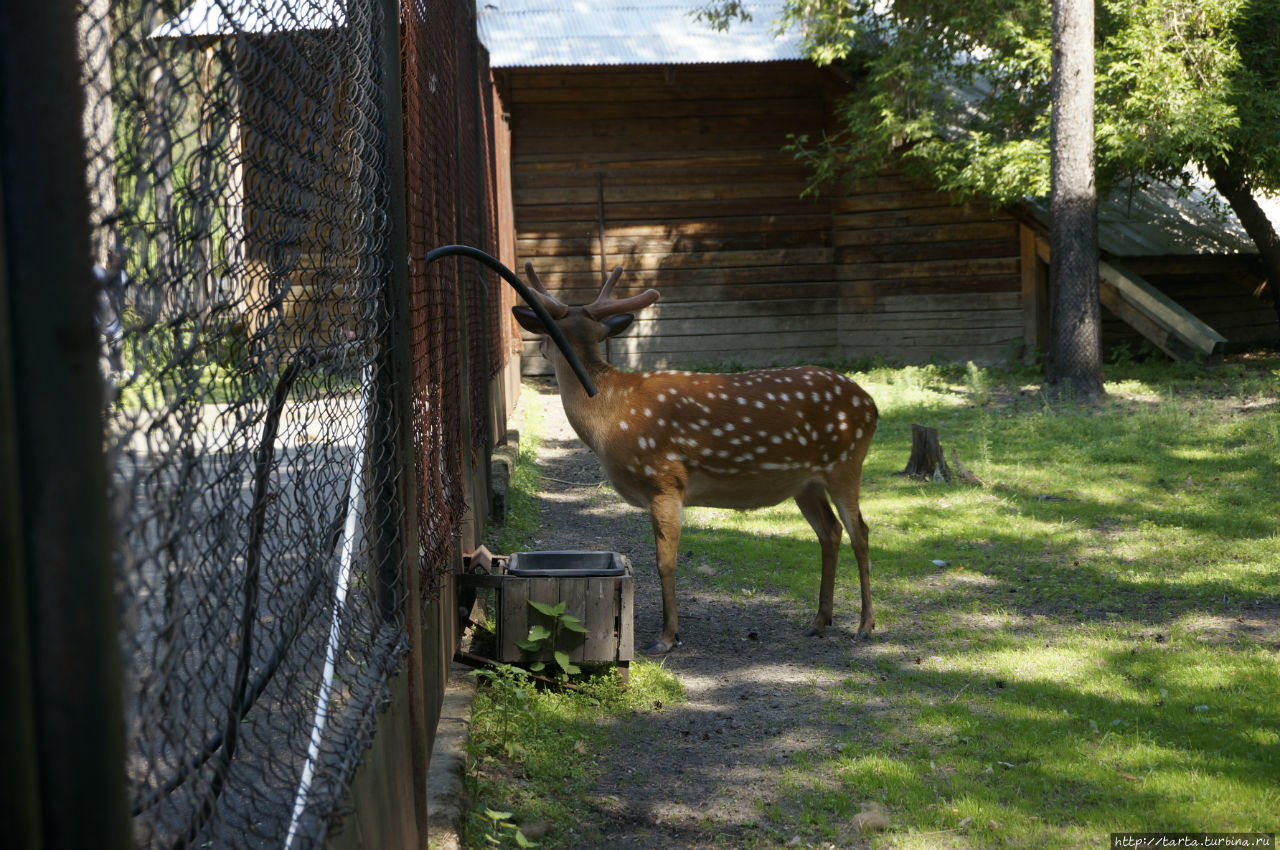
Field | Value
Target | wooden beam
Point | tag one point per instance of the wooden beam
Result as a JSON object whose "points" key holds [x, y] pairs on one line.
{"points": [[1035, 292], [1169, 326]]}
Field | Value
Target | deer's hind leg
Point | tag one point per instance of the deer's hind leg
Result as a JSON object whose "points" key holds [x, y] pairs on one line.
{"points": [[812, 501], [844, 493]]}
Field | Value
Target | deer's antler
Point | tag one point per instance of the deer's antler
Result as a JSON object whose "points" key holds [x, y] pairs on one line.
{"points": [[604, 306], [556, 309]]}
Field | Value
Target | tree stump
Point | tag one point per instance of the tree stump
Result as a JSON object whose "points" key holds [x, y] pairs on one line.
{"points": [[927, 462]]}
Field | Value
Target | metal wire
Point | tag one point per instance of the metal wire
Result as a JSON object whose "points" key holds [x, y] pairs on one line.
{"points": [[236, 166]]}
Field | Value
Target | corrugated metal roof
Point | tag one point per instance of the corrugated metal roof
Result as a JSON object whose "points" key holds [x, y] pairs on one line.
{"points": [[225, 17], [533, 33], [1159, 220]]}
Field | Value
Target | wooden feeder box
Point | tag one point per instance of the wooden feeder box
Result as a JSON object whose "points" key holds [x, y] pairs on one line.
{"points": [[596, 587]]}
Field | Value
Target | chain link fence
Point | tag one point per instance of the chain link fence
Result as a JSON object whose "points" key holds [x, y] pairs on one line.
{"points": [[459, 310], [241, 231]]}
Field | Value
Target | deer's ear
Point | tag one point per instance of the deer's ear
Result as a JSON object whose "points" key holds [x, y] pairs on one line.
{"points": [[528, 320], [615, 325]]}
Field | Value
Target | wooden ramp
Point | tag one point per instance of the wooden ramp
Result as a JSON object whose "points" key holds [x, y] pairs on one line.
{"points": [[1156, 316]]}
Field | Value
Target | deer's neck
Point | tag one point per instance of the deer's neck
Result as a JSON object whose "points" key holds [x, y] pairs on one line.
{"points": [[588, 415]]}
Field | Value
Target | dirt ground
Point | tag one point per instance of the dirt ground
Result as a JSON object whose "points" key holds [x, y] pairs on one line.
{"points": [[702, 773]]}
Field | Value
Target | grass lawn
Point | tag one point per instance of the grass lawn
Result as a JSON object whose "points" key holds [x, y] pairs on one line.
{"points": [[1086, 643]]}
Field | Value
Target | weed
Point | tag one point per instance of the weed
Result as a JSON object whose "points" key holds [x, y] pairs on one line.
{"points": [[507, 704], [500, 828], [541, 639]]}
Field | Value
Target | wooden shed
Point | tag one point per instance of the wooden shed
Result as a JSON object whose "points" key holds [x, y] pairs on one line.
{"points": [[642, 138], [284, 214]]}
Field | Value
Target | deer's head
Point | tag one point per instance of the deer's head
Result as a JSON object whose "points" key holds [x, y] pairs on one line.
{"points": [[587, 326]]}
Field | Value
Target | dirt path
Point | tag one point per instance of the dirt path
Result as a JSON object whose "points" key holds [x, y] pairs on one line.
{"points": [[704, 773]]}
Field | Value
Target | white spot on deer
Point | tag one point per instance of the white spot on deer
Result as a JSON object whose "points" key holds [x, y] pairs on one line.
{"points": [[857, 402], [746, 420], [769, 396], [722, 454], [775, 439], [707, 452], [741, 400], [728, 426], [828, 395], [759, 404], [650, 471], [830, 427], [672, 456], [662, 423], [785, 397], [716, 432], [842, 416], [623, 425], [648, 412], [662, 397], [761, 450], [858, 434], [802, 441]]}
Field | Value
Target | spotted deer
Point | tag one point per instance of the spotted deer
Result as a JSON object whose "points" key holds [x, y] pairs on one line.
{"points": [[745, 440]]}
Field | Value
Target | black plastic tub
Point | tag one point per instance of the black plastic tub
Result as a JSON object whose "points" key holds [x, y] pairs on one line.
{"points": [[567, 564]]}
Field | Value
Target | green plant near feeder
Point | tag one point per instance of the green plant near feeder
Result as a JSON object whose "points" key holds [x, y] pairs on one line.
{"points": [[500, 828], [541, 638]]}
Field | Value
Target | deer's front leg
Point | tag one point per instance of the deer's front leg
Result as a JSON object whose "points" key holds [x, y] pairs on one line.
{"points": [[665, 512]]}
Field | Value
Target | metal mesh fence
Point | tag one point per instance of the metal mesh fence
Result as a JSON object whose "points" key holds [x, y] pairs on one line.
{"points": [[455, 304], [241, 222]]}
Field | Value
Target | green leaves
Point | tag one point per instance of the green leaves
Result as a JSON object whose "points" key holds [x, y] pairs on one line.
{"points": [[549, 610], [959, 89], [500, 827], [540, 638]]}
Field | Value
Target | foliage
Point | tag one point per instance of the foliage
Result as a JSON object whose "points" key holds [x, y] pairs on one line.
{"points": [[540, 638], [507, 706], [959, 89], [500, 827]]}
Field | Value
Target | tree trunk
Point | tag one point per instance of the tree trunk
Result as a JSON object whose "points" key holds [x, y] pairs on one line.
{"points": [[1254, 221], [1073, 366]]}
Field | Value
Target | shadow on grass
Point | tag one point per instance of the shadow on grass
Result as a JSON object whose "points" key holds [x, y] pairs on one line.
{"points": [[1050, 682]]}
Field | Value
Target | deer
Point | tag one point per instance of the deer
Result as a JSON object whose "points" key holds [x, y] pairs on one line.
{"points": [[745, 440]]}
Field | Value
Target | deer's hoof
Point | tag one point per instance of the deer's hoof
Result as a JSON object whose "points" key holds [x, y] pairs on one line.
{"points": [[659, 647], [813, 631]]}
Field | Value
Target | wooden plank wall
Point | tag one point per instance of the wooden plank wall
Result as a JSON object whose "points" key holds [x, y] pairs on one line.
{"points": [[700, 201], [924, 277]]}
